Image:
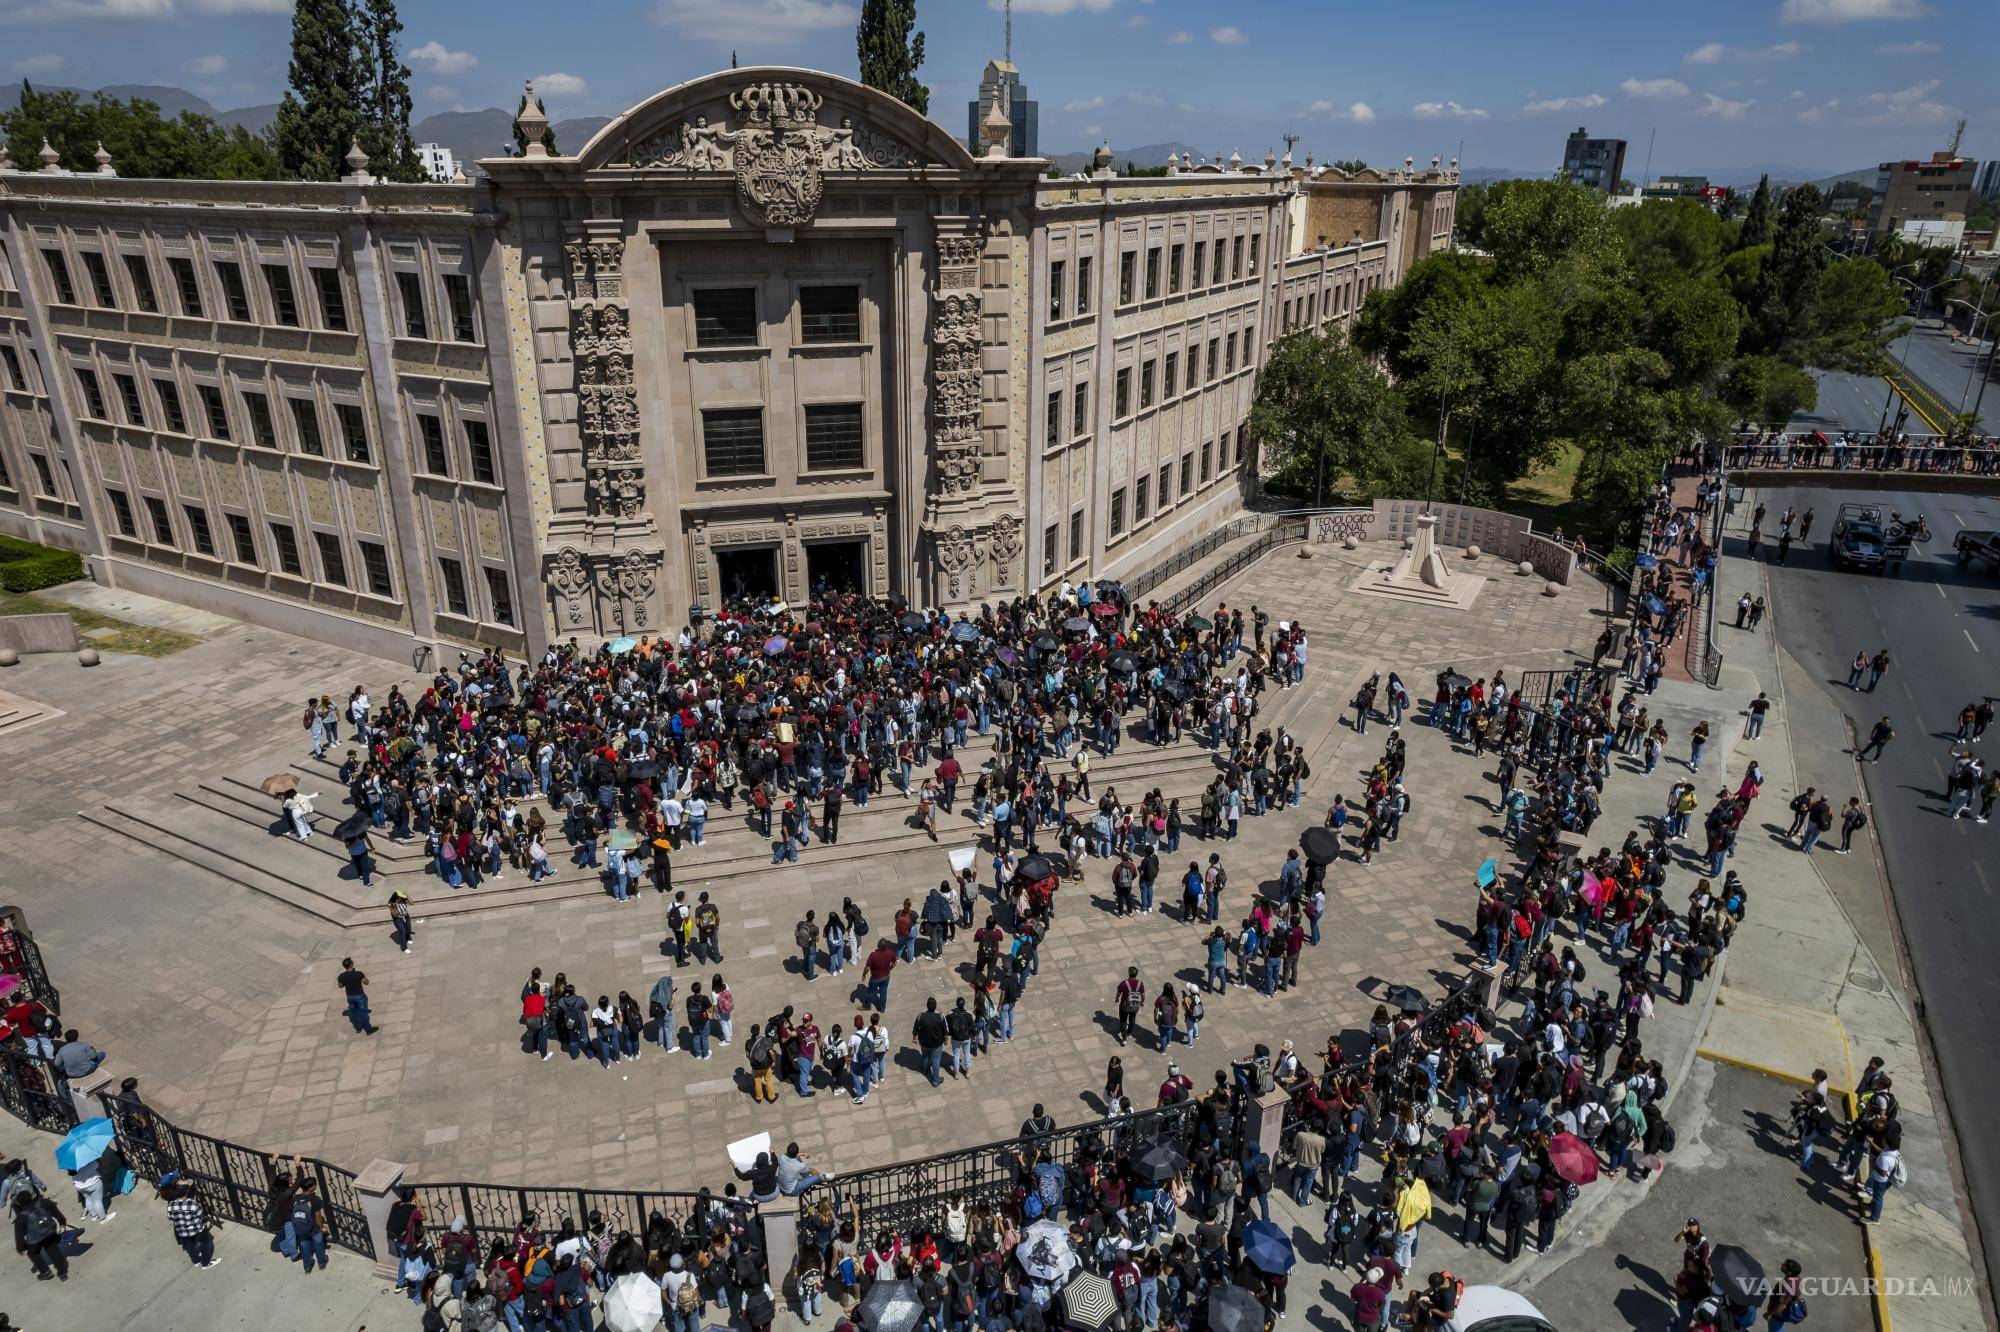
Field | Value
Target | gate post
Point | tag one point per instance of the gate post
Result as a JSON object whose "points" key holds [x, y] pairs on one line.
{"points": [[1267, 1121], [781, 1239], [376, 1185]]}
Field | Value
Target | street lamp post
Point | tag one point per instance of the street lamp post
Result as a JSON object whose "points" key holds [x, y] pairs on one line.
{"points": [[1902, 360], [1978, 316]]}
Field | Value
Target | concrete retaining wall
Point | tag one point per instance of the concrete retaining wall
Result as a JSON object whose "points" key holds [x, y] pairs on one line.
{"points": [[54, 632], [1506, 535]]}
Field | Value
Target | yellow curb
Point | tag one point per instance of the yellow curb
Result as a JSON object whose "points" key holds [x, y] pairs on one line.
{"points": [[1768, 1072], [1876, 1297]]}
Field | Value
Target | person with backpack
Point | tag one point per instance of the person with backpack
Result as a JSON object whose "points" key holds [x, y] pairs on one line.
{"points": [[763, 1053], [806, 935], [1129, 998], [39, 1227], [1786, 1305], [307, 1218], [680, 1291], [458, 1255]]}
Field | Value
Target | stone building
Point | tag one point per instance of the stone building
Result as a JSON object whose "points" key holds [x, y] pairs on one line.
{"points": [[768, 329]]}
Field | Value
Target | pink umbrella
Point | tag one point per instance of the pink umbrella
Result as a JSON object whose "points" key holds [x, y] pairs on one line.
{"points": [[1573, 1158]]}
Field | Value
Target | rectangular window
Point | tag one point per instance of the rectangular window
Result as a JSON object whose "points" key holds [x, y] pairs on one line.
{"points": [[1166, 485], [455, 599], [1083, 285], [1187, 473], [500, 596], [436, 462], [353, 430], [215, 409], [305, 420], [1221, 259], [332, 562], [1053, 434], [1200, 255], [1174, 257], [725, 317], [1152, 272], [121, 509], [93, 394], [458, 295], [833, 436], [284, 300], [1170, 380], [830, 314], [163, 527], [479, 448], [416, 321], [59, 277], [1079, 409], [1242, 443], [1118, 513], [1055, 290], [204, 539], [1256, 245], [1235, 258], [169, 395], [142, 283], [1139, 489], [188, 285], [1145, 385], [239, 534], [1207, 461], [100, 279], [1050, 547], [288, 550], [1121, 398], [332, 298], [43, 475], [1214, 353], [128, 392], [375, 564], [16, 380], [263, 429], [732, 441], [1076, 536], [1127, 264], [1249, 347], [1229, 355], [235, 296]]}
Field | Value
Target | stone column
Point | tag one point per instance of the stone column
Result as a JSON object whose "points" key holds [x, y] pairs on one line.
{"points": [[781, 1240], [1266, 1129], [376, 1186], [1485, 982], [83, 1091]]}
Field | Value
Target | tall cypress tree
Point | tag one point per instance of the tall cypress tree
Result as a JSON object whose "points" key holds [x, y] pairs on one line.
{"points": [[1789, 280], [1757, 222], [322, 110], [890, 52], [392, 154]]}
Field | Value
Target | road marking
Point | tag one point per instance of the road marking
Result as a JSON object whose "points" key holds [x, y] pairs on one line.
{"points": [[1961, 521], [1968, 638], [1940, 591], [1980, 870]]}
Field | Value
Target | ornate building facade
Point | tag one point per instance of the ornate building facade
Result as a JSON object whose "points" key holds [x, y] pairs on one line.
{"points": [[767, 330]]}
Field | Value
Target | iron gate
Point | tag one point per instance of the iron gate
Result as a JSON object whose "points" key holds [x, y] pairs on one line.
{"points": [[19, 956], [33, 1092], [492, 1211]]}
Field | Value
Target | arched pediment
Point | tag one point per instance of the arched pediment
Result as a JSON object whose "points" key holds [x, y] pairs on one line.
{"points": [[720, 122]]}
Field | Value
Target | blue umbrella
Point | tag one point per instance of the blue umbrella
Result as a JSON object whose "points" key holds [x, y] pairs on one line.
{"points": [[618, 645], [965, 631], [1267, 1248], [85, 1143], [1647, 561], [1654, 606]]}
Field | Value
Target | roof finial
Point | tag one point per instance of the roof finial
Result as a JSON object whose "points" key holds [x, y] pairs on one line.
{"points": [[531, 122], [51, 159], [357, 164], [7, 162], [103, 160]]}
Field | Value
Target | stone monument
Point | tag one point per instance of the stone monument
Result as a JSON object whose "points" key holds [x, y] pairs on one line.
{"points": [[1421, 574]]}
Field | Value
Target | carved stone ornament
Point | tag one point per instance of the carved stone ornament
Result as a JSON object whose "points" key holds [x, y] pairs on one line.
{"points": [[959, 251], [1006, 543], [634, 581], [956, 376], [568, 580]]}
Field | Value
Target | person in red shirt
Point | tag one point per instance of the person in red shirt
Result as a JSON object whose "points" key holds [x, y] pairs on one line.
{"points": [[878, 965]]}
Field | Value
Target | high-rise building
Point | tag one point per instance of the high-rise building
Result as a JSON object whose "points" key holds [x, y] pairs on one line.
{"points": [[1938, 190], [1989, 179], [1002, 83], [1598, 163], [439, 161]]}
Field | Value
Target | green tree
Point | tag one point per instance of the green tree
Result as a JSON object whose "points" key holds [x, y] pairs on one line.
{"points": [[1852, 319], [891, 53], [1665, 236], [1765, 391], [1348, 164], [1537, 222], [1757, 222], [1788, 282], [142, 144], [521, 139], [1324, 414], [392, 153], [321, 113]]}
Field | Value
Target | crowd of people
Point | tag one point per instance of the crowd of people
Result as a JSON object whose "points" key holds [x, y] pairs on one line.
{"points": [[1888, 451]]}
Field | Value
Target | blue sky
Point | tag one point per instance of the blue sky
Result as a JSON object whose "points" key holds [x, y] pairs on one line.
{"points": [[1823, 84]]}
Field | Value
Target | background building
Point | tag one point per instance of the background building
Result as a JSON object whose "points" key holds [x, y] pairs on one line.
{"points": [[1002, 83], [1598, 163], [1939, 190], [438, 161], [1989, 179], [767, 331]]}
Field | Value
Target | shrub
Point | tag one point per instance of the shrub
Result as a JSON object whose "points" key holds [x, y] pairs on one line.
{"points": [[27, 567]]}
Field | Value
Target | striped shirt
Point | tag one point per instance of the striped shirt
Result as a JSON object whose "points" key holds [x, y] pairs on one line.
{"points": [[188, 1217]]}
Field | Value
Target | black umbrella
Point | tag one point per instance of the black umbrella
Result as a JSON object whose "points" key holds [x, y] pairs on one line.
{"points": [[1739, 1278], [1038, 866], [1176, 690], [1047, 643], [1201, 624], [911, 620], [1321, 845], [1111, 586], [1453, 680], [643, 771], [1160, 1161], [891, 1306], [1123, 662], [1408, 999], [748, 712], [1076, 624], [352, 827], [1231, 1308]]}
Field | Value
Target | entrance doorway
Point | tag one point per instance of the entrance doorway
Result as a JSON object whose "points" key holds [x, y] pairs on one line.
{"points": [[747, 573], [837, 566]]}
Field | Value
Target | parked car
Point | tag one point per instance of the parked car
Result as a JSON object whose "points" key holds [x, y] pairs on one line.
{"points": [[1972, 546], [1496, 1309]]}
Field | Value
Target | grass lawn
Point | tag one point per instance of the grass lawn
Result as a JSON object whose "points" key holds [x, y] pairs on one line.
{"points": [[1545, 496], [118, 636]]}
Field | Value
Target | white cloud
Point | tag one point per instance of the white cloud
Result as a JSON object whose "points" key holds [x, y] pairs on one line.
{"points": [[1359, 112], [207, 66], [559, 85], [1814, 115], [39, 64], [1722, 108], [1910, 106], [241, 6], [1708, 53], [1446, 111], [1551, 105], [1084, 104], [1227, 36], [441, 59], [1054, 6], [1145, 99], [745, 20], [1181, 38], [1833, 12], [1137, 21], [1907, 49], [90, 11], [1653, 88], [1715, 53]]}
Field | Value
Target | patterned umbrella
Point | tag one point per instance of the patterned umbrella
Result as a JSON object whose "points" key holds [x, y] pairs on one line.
{"points": [[1044, 1252], [890, 1306], [1088, 1302], [633, 1304]]}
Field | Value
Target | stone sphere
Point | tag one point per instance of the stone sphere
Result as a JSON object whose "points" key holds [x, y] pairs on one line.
{"points": [[88, 657], [1409, 543], [1551, 589], [9, 657], [1472, 552], [1350, 543], [1524, 568]]}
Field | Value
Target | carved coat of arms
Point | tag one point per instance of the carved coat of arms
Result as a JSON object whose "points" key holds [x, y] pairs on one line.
{"points": [[778, 154]]}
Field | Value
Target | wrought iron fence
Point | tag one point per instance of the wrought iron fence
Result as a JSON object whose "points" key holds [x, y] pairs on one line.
{"points": [[1193, 594], [234, 1182], [21, 956], [1705, 664], [1137, 586], [34, 1092], [492, 1211], [1538, 688], [913, 1194]]}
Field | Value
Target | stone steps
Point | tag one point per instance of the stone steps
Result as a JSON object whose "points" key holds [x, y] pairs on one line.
{"points": [[18, 713], [228, 857]]}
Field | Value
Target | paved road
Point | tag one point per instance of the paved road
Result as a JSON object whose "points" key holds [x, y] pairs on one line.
{"points": [[1950, 370], [1846, 402], [1941, 625]]}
